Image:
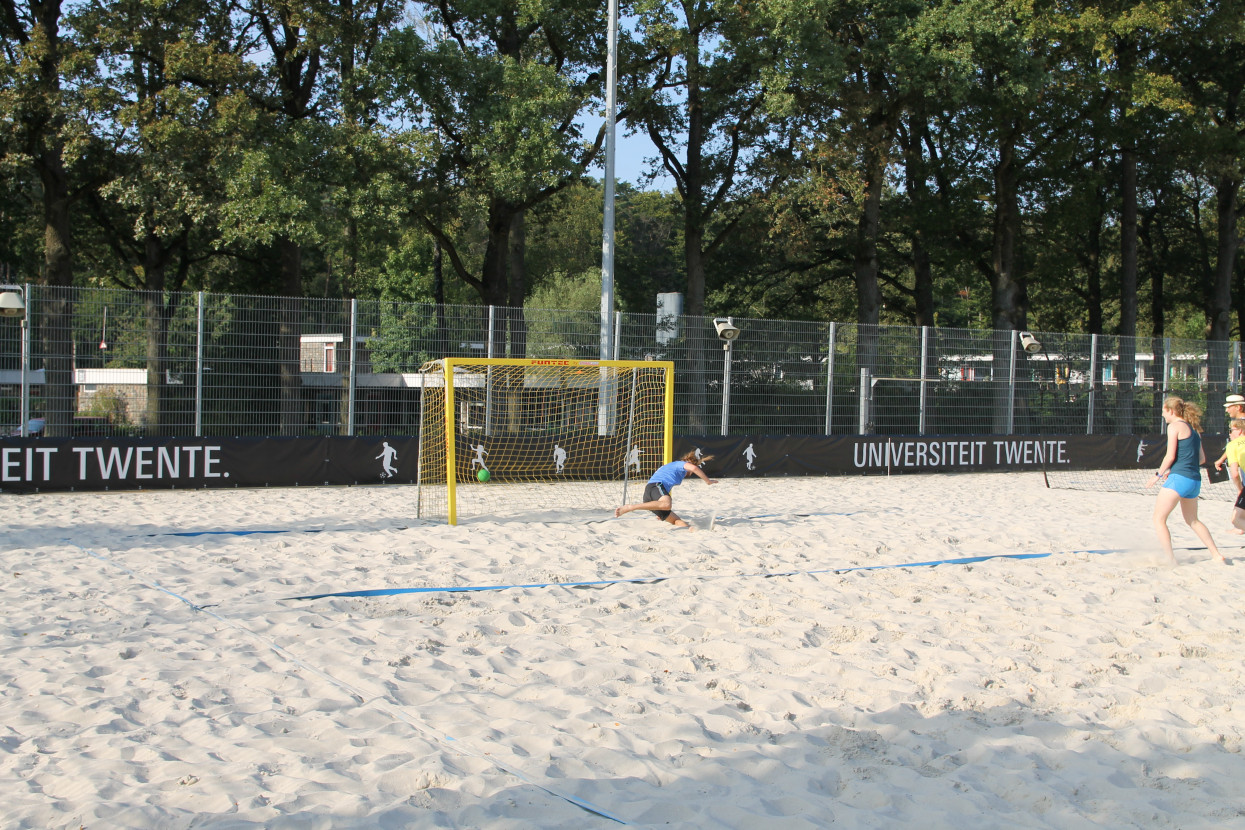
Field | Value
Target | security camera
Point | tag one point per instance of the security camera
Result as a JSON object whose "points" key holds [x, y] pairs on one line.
{"points": [[11, 304], [727, 331], [1029, 343]]}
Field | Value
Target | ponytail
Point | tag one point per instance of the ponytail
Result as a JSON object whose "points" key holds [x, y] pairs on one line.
{"points": [[1186, 410]]}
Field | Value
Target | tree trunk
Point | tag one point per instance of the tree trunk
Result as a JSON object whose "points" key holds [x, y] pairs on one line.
{"points": [[1007, 288], [518, 281], [697, 340], [156, 325], [438, 297], [1127, 366], [289, 330], [56, 313], [1219, 302]]}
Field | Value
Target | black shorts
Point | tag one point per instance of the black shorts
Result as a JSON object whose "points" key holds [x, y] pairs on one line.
{"points": [[1240, 500], [652, 492]]}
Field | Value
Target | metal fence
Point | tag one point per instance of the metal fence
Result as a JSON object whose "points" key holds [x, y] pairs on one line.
{"points": [[114, 362]]}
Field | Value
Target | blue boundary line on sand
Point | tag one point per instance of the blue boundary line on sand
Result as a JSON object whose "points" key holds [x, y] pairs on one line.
{"points": [[966, 560]]}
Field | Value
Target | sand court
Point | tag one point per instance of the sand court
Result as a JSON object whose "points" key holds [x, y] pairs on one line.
{"points": [[791, 667]]}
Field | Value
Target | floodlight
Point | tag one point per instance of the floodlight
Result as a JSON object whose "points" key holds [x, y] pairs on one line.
{"points": [[727, 331], [11, 304]]}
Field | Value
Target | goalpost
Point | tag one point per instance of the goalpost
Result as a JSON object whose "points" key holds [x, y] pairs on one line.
{"points": [[519, 436]]}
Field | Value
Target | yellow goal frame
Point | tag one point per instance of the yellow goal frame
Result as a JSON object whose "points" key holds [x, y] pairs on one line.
{"points": [[448, 364]]}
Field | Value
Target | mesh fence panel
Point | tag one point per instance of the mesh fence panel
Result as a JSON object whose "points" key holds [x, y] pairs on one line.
{"points": [[116, 362]]}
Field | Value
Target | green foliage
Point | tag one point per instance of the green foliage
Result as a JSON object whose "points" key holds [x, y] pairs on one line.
{"points": [[198, 144]]}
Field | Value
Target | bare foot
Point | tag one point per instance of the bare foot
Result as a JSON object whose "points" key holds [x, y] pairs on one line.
{"points": [[618, 511], [1236, 530]]}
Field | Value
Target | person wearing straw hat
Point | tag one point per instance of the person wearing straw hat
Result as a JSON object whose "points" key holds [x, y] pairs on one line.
{"points": [[1233, 407]]}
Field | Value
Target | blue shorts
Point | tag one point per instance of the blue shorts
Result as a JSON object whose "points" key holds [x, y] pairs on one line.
{"points": [[1185, 487]]}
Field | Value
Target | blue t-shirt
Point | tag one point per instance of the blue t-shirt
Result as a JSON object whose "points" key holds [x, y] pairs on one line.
{"points": [[670, 475]]}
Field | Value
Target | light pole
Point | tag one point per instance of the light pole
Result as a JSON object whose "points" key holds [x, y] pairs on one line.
{"points": [[727, 332], [607, 232]]}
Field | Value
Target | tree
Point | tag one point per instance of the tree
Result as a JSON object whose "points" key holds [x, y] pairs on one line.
{"points": [[1205, 52], [696, 89], [42, 84], [498, 87]]}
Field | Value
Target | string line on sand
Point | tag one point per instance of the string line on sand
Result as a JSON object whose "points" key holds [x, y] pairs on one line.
{"points": [[652, 580], [266, 531], [358, 695]]}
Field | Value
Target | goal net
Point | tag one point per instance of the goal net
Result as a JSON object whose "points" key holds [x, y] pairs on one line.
{"points": [[503, 436], [1129, 465]]}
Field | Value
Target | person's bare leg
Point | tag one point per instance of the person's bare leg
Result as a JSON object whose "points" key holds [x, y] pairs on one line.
{"points": [[677, 522], [1188, 508], [1164, 504], [1238, 519], [662, 503]]}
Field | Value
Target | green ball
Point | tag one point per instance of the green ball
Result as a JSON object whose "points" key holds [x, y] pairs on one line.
{"points": [[483, 475]]}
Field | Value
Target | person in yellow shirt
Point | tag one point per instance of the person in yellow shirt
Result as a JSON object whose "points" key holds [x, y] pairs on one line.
{"points": [[1233, 407], [1234, 452]]}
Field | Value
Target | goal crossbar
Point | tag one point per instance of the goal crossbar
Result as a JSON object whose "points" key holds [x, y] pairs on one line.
{"points": [[489, 426]]}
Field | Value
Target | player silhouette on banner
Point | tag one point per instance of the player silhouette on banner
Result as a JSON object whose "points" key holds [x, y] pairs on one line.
{"points": [[633, 458], [479, 459], [751, 455], [390, 455], [559, 457]]}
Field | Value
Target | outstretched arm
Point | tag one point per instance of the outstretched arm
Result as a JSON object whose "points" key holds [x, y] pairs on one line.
{"points": [[692, 468]]}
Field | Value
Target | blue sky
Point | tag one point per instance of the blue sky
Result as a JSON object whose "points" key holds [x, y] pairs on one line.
{"points": [[629, 163]]}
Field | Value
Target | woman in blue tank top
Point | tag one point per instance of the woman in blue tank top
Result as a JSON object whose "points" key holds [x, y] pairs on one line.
{"points": [[667, 477], [1179, 475]]}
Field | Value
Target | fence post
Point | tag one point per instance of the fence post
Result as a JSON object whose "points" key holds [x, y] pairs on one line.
{"points": [[830, 379], [1011, 384], [1236, 364], [726, 385], [488, 378], [350, 392], [617, 334], [199, 365], [1167, 373], [866, 393], [1093, 374], [23, 406], [924, 363]]}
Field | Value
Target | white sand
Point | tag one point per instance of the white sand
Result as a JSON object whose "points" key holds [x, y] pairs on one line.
{"points": [[1076, 690]]}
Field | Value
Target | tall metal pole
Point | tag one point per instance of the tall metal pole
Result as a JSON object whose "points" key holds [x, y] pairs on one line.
{"points": [[607, 231], [726, 388], [605, 396]]}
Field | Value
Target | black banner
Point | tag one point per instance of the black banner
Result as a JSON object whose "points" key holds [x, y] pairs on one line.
{"points": [[31, 464], [798, 455], [41, 464]]}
